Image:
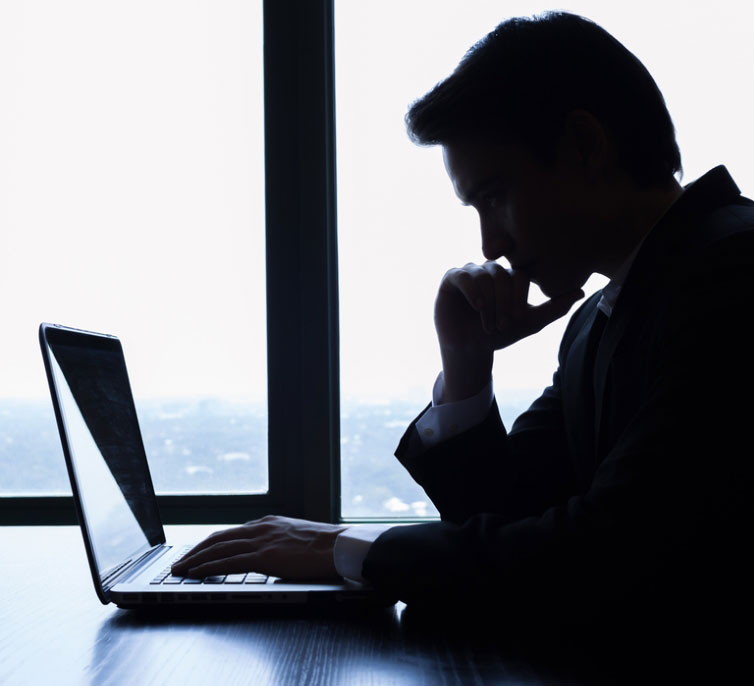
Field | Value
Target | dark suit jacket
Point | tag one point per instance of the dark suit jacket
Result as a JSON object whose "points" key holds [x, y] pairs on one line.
{"points": [[626, 489]]}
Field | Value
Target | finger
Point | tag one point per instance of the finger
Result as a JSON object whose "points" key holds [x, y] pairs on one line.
{"points": [[502, 288], [213, 538], [215, 552], [248, 530], [476, 285], [519, 293], [484, 278], [199, 547], [238, 564], [460, 280], [218, 551], [542, 315]]}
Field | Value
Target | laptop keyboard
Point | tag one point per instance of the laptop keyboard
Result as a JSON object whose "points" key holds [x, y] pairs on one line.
{"points": [[165, 577]]}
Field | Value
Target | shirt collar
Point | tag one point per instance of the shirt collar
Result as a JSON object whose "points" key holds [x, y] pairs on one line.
{"points": [[611, 292]]}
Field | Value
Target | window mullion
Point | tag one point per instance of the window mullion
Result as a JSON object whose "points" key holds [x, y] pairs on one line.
{"points": [[302, 326]]}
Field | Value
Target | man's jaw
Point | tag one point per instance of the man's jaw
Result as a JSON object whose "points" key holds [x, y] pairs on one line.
{"points": [[554, 288], [559, 284]]}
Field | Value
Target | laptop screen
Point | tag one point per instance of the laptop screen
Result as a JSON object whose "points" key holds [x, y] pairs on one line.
{"points": [[107, 458]]}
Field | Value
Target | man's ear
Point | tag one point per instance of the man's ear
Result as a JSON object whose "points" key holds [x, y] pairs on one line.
{"points": [[585, 142]]}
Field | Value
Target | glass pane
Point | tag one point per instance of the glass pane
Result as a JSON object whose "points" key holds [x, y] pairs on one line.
{"points": [[132, 203], [401, 226]]}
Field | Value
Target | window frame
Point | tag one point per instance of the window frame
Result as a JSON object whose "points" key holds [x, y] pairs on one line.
{"points": [[302, 290]]}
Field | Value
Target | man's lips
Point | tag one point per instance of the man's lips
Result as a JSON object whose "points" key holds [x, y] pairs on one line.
{"points": [[528, 270]]}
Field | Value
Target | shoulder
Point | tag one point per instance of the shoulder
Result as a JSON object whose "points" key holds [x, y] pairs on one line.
{"points": [[578, 321], [720, 242], [733, 221], [708, 287]]}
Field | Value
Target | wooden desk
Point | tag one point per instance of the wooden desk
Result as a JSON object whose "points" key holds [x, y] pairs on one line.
{"points": [[53, 630]]}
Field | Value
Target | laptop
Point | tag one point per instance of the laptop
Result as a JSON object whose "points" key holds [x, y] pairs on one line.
{"points": [[115, 502]]}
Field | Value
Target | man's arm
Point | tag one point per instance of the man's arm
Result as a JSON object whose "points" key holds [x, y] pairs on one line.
{"points": [[456, 423], [667, 508], [478, 309], [488, 469]]}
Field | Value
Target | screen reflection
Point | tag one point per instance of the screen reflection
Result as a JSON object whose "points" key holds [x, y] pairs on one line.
{"points": [[107, 453]]}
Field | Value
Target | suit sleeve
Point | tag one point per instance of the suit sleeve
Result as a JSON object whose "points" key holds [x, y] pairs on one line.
{"points": [[490, 470], [666, 510], [487, 469]]}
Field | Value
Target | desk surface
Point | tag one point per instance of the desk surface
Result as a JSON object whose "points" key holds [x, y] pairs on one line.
{"points": [[54, 630]]}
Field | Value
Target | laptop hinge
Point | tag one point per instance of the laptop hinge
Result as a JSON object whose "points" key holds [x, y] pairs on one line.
{"points": [[132, 567]]}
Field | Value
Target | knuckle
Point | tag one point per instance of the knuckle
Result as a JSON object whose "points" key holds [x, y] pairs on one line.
{"points": [[503, 285], [450, 276], [501, 275]]}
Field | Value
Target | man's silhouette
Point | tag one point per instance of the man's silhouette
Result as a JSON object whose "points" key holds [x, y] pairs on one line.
{"points": [[621, 500]]}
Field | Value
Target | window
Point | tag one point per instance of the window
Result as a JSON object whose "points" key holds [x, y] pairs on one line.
{"points": [[347, 321], [400, 227], [134, 204], [138, 132]]}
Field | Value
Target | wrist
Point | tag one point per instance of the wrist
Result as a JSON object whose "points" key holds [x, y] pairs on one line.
{"points": [[466, 371], [325, 546]]}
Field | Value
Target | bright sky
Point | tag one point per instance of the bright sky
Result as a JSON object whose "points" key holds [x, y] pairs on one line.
{"points": [[131, 189], [400, 225]]}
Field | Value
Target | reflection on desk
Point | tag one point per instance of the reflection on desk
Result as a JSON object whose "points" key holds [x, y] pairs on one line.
{"points": [[53, 630]]}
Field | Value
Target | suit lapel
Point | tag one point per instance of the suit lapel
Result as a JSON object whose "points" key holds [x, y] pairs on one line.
{"points": [[579, 380], [673, 234], [611, 337]]}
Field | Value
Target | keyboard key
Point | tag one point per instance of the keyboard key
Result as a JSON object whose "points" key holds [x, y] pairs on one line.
{"points": [[173, 580], [256, 578], [191, 581], [235, 578], [214, 579]]}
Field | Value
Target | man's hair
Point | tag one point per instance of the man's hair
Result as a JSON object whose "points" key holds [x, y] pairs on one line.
{"points": [[520, 82]]}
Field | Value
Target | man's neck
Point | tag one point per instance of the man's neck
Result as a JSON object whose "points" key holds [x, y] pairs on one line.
{"points": [[639, 212]]}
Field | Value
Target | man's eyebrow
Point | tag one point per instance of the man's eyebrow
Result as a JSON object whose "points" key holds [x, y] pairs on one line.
{"points": [[478, 189]]}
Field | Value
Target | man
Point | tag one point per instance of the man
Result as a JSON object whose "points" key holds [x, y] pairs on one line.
{"points": [[622, 497]]}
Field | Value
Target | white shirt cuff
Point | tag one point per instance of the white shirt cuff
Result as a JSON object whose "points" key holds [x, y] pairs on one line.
{"points": [[352, 546], [443, 421]]}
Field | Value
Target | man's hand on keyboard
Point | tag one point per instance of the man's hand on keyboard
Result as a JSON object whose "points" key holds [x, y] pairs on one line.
{"points": [[277, 546]]}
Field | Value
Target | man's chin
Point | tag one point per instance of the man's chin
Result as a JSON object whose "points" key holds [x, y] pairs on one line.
{"points": [[554, 288]]}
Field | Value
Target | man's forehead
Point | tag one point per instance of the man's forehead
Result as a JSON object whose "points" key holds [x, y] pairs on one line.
{"points": [[473, 165], [473, 154]]}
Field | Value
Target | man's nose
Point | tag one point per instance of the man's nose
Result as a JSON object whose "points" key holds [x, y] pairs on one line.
{"points": [[495, 241]]}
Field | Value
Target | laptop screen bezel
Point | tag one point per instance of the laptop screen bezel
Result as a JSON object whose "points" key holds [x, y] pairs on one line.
{"points": [[55, 333]]}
